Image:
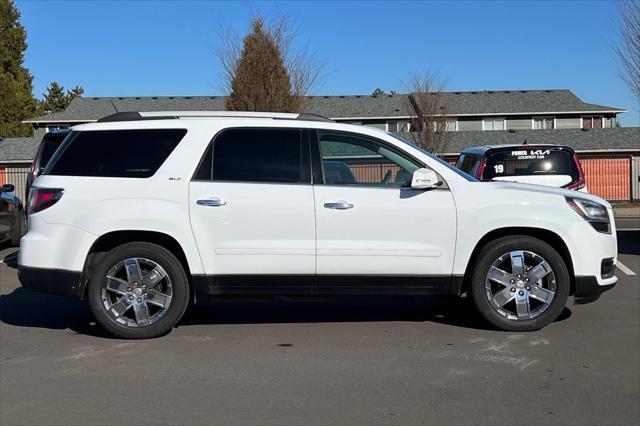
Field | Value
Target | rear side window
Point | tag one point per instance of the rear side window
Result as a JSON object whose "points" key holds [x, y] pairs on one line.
{"points": [[115, 153], [48, 149], [531, 162], [467, 163], [256, 155]]}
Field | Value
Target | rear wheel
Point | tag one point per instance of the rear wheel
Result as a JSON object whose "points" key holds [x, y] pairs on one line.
{"points": [[138, 291], [519, 283]]}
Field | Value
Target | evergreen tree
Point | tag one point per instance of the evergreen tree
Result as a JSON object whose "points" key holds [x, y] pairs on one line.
{"points": [[56, 99], [261, 81], [16, 90]]}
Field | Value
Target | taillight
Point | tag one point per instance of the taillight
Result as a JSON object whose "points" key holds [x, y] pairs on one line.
{"points": [[481, 167], [43, 198], [34, 171], [580, 183]]}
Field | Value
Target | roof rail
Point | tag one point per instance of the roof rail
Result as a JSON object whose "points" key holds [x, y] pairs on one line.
{"points": [[165, 115], [131, 116], [307, 116]]}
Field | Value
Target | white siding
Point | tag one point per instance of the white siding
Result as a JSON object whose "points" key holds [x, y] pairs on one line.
{"points": [[567, 123], [519, 124]]}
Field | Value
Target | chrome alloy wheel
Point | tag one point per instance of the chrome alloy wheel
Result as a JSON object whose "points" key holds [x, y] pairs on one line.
{"points": [[520, 285], [136, 292]]}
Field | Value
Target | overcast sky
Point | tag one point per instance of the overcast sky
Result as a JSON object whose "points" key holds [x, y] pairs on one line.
{"points": [[120, 48]]}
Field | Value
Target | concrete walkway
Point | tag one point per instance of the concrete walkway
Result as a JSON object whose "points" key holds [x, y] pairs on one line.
{"points": [[626, 210]]}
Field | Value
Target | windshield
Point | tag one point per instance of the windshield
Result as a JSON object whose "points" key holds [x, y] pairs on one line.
{"points": [[436, 158], [530, 162]]}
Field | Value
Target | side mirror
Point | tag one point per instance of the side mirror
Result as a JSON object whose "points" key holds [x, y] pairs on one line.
{"points": [[425, 179], [8, 187]]}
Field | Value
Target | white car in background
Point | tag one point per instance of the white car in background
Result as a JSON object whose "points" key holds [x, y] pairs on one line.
{"points": [[143, 213]]}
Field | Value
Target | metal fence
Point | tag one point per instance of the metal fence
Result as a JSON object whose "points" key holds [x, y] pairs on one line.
{"points": [[16, 176], [608, 176]]}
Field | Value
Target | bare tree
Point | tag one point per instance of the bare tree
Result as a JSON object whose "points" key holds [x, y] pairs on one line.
{"points": [[266, 69], [627, 46], [427, 107]]}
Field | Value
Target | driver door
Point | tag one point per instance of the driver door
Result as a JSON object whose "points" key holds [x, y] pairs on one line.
{"points": [[369, 221]]}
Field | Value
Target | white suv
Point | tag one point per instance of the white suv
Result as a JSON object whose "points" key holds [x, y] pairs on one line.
{"points": [[143, 213]]}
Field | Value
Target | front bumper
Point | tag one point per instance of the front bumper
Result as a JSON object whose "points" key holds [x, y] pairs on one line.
{"points": [[589, 290], [53, 281]]}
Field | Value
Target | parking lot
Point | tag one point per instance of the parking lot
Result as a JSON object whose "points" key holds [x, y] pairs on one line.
{"points": [[363, 360]]}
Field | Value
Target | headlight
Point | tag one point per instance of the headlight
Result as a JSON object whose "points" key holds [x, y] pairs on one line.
{"points": [[594, 213]]}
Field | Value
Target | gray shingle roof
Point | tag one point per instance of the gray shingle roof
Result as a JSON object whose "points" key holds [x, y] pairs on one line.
{"points": [[355, 106], [19, 149], [581, 140], [519, 101]]}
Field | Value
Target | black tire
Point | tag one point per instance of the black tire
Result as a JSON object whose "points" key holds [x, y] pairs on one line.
{"points": [[175, 272], [18, 228], [502, 246]]}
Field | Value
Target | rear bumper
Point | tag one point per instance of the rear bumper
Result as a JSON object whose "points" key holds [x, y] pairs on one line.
{"points": [[588, 290], [53, 281]]}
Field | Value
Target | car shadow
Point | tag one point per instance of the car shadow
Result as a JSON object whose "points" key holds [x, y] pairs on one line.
{"points": [[629, 242], [24, 308], [11, 259]]}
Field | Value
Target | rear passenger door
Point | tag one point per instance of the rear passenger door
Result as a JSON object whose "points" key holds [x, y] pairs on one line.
{"points": [[252, 208]]}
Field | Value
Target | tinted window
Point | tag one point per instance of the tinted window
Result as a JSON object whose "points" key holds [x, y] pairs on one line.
{"points": [[467, 163], [256, 155], [205, 169], [50, 142], [530, 162], [115, 153], [48, 149], [351, 160]]}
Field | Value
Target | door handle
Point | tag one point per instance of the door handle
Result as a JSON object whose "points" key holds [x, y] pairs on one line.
{"points": [[212, 202], [338, 205]]}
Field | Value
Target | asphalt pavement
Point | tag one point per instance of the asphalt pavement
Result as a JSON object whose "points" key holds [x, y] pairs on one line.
{"points": [[347, 361]]}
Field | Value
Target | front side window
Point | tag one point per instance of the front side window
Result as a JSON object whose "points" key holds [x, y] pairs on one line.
{"points": [[254, 155], [114, 153], [493, 124], [354, 160]]}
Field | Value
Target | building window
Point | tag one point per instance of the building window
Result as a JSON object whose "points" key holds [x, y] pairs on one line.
{"points": [[397, 126], [591, 122], [543, 123], [493, 124]]}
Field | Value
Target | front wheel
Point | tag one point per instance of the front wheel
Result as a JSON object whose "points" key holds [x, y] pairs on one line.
{"points": [[519, 283], [138, 291]]}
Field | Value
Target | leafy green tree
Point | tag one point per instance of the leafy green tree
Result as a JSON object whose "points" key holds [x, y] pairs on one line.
{"points": [[378, 92], [56, 99], [260, 80], [16, 91]]}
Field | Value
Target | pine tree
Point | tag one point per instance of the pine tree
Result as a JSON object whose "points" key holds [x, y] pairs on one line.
{"points": [[16, 91], [261, 81], [56, 99]]}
